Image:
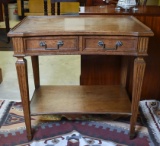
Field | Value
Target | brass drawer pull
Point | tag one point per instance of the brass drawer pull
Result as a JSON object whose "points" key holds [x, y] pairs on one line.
{"points": [[102, 44], [59, 44], [43, 44]]}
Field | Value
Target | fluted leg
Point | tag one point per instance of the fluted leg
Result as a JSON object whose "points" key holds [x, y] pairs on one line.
{"points": [[21, 66], [139, 68]]}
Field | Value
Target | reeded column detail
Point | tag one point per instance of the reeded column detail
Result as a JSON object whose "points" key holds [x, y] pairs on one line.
{"points": [[21, 66], [143, 45], [18, 46], [138, 73]]}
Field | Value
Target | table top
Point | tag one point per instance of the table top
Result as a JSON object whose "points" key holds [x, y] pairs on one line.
{"points": [[110, 9], [80, 25]]}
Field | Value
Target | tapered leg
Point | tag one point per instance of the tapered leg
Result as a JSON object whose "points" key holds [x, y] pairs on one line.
{"points": [[0, 75], [139, 68], [21, 66], [35, 66]]}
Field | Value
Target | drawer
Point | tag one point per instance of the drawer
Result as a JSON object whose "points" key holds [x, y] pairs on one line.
{"points": [[51, 44], [110, 45]]}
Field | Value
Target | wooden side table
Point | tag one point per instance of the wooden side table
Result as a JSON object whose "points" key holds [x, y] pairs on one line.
{"points": [[123, 36]]}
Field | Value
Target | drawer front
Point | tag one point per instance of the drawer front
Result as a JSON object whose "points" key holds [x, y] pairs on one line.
{"points": [[51, 44], [110, 45]]}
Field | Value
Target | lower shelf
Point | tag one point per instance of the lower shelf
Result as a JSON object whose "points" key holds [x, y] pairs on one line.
{"points": [[80, 99]]}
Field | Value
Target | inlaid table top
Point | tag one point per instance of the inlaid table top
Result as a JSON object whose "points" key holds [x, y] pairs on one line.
{"points": [[88, 25]]}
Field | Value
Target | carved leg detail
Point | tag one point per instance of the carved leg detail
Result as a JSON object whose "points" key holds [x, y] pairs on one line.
{"points": [[35, 66], [21, 66], [139, 68]]}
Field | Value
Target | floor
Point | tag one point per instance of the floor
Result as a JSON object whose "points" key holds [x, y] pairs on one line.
{"points": [[12, 23], [58, 70]]}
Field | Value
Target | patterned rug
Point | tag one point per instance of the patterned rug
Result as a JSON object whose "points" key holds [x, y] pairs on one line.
{"points": [[151, 113], [70, 130]]}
